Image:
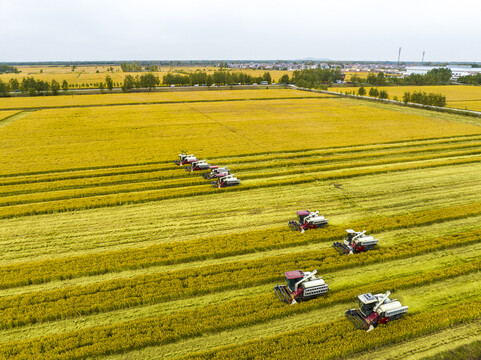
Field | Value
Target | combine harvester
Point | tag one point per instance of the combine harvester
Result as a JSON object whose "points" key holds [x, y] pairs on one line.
{"points": [[301, 286], [216, 173], [200, 165], [374, 310], [185, 159], [225, 181], [308, 220], [355, 242]]}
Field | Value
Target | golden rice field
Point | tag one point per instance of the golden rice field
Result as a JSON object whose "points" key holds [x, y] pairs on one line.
{"points": [[110, 251], [466, 97], [87, 76]]}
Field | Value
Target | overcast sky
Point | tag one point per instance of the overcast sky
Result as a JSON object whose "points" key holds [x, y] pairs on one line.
{"points": [[63, 30]]}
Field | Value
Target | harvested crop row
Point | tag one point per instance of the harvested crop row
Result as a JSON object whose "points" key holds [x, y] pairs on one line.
{"points": [[212, 247], [215, 318], [152, 195], [147, 289], [335, 340], [28, 193], [149, 173]]}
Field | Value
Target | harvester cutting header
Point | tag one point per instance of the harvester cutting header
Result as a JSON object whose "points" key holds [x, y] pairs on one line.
{"points": [[185, 159], [308, 220]]}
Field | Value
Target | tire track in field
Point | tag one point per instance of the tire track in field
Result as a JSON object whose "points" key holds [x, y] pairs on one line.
{"points": [[10, 119]]}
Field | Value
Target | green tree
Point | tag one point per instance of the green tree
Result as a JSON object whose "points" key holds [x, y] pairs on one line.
{"points": [[101, 87], [14, 84], [267, 77], [284, 79], [55, 87], [109, 83], [383, 94], [129, 83], [373, 92], [361, 91], [65, 85], [406, 97]]}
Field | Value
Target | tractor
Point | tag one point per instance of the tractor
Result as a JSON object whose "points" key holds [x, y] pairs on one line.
{"points": [[200, 165], [185, 159], [374, 310], [216, 173], [308, 220], [225, 181], [301, 286], [355, 242]]}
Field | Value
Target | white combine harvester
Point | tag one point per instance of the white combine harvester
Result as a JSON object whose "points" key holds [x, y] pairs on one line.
{"points": [[308, 220], [301, 286], [185, 159], [200, 165], [225, 181], [374, 310], [217, 173], [355, 242]]}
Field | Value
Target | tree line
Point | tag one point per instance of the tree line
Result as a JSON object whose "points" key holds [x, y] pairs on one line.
{"points": [[218, 78], [314, 78], [420, 97], [5, 69], [470, 79], [438, 76], [134, 67]]}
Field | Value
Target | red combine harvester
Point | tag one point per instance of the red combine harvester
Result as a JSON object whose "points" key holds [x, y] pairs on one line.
{"points": [[301, 286], [185, 159], [355, 242], [225, 181], [216, 173], [308, 220], [200, 165], [374, 310]]}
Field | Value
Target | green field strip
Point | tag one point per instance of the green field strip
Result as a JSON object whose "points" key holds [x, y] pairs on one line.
{"points": [[209, 319], [142, 225], [428, 345], [147, 289], [53, 193], [291, 323], [93, 201], [212, 248]]}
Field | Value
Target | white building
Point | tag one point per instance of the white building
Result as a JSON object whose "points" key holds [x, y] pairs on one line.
{"points": [[457, 70]]}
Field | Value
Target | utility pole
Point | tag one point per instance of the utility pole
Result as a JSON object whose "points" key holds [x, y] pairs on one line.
{"points": [[422, 61], [398, 56]]}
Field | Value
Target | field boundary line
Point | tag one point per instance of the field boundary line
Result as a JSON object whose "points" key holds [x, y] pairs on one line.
{"points": [[10, 119]]}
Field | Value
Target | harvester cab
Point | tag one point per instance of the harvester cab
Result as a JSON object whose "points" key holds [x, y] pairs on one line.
{"points": [[308, 220], [185, 159], [225, 181], [200, 165], [217, 173], [355, 242], [374, 310], [301, 286]]}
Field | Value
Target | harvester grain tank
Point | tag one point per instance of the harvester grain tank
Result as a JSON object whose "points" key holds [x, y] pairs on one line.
{"points": [[308, 220], [355, 242], [225, 181], [374, 310], [185, 159], [216, 173], [301, 286], [200, 165]]}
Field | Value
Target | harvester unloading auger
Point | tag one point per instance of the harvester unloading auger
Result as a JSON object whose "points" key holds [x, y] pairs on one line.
{"points": [[355, 242], [301, 286], [185, 159], [308, 220], [374, 310], [216, 173]]}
